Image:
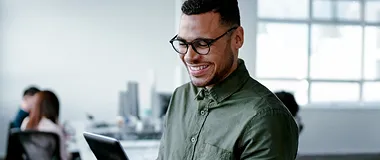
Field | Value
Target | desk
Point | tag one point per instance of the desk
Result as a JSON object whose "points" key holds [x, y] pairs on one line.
{"points": [[141, 149]]}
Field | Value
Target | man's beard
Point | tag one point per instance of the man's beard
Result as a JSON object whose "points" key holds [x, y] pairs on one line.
{"points": [[221, 74]]}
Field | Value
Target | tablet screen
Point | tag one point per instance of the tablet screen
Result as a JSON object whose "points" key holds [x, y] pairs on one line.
{"points": [[105, 147]]}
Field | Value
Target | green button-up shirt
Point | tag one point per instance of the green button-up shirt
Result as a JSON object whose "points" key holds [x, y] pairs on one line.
{"points": [[237, 119]]}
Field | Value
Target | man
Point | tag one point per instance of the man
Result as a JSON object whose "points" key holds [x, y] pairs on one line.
{"points": [[223, 113], [26, 106]]}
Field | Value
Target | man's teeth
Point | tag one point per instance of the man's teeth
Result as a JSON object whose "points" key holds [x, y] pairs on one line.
{"points": [[198, 68]]}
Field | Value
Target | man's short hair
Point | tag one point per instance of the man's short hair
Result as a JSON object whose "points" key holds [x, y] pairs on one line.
{"points": [[228, 9], [30, 91], [289, 101]]}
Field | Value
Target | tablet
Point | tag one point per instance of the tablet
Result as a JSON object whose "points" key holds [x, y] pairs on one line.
{"points": [[105, 147]]}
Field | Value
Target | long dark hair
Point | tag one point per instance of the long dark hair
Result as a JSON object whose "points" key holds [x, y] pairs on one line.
{"points": [[46, 105]]}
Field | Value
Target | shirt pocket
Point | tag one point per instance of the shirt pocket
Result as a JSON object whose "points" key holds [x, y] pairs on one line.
{"points": [[211, 152]]}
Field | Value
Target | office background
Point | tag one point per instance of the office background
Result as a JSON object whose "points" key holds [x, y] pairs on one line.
{"points": [[87, 50]]}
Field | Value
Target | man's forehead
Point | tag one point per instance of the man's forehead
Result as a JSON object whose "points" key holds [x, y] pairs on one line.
{"points": [[197, 26]]}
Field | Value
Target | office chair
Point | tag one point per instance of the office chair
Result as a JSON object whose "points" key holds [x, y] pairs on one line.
{"points": [[33, 145], [13, 150]]}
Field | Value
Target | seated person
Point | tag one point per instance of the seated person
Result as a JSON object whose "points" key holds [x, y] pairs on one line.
{"points": [[290, 102], [26, 106], [44, 117]]}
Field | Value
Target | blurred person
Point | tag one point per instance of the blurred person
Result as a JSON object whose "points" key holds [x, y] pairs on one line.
{"points": [[44, 117], [290, 102], [26, 106], [223, 113]]}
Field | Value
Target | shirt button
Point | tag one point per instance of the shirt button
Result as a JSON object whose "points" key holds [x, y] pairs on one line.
{"points": [[203, 113], [193, 139]]}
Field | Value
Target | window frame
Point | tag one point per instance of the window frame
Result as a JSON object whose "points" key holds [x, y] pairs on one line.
{"points": [[310, 21]]}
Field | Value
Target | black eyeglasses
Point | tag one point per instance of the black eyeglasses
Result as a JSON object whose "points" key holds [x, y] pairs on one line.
{"points": [[200, 45]]}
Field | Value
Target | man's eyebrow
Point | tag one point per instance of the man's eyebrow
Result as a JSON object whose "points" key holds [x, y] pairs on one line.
{"points": [[179, 38], [203, 38], [198, 38]]}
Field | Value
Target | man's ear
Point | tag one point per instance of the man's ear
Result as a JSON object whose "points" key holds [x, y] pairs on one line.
{"points": [[239, 37]]}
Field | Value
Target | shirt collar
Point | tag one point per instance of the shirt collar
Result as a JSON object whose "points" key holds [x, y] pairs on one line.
{"points": [[228, 86]]}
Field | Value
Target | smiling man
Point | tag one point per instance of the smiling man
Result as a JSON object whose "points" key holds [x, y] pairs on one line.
{"points": [[223, 113]]}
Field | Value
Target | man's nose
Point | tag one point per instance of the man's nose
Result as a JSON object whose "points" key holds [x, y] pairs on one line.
{"points": [[191, 55]]}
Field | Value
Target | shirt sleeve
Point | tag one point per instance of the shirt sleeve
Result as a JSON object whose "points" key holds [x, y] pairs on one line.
{"points": [[161, 148], [162, 143], [21, 115], [161, 151], [271, 135]]}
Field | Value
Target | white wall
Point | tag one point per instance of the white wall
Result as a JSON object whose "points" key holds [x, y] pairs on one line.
{"points": [[85, 50]]}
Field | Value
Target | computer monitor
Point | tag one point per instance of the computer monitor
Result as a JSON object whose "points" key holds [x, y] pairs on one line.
{"points": [[163, 103]]}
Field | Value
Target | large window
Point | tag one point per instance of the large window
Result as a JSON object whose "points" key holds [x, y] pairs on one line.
{"points": [[322, 50], [280, 50], [335, 52]]}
